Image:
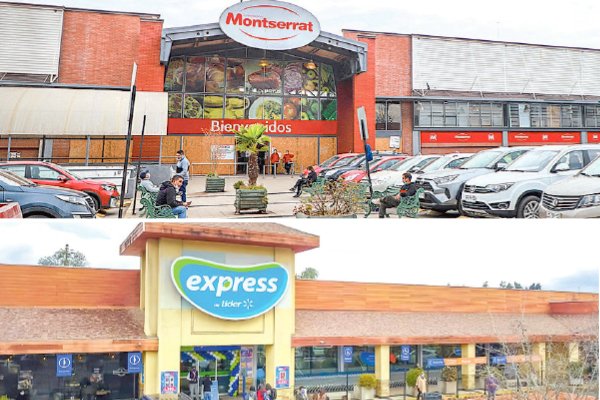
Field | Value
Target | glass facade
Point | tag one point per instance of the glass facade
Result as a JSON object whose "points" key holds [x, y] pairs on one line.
{"points": [[95, 376], [312, 361], [215, 87], [492, 115], [396, 361]]}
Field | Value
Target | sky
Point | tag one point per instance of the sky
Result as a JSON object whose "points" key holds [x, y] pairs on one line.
{"points": [[550, 22], [561, 255]]}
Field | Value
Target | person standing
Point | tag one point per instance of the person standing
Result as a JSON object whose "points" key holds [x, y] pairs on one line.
{"points": [[274, 161], [421, 385], [206, 387], [407, 189], [287, 161], [183, 168], [491, 386], [167, 196], [193, 380]]}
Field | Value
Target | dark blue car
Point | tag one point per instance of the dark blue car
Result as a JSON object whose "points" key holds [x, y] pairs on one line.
{"points": [[38, 201]]}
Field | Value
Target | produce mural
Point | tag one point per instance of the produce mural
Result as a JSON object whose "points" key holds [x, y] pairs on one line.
{"points": [[235, 88]]}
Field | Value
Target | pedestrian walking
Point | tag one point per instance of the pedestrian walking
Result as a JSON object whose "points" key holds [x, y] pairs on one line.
{"points": [[193, 381], [421, 385], [183, 168], [491, 386]]}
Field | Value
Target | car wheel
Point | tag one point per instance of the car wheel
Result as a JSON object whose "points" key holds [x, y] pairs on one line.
{"points": [[96, 202], [529, 207], [37, 216]]}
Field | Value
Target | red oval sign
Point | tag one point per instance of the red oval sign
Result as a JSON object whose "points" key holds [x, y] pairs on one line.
{"points": [[271, 25]]}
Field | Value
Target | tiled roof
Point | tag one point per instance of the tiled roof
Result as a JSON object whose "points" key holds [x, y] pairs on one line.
{"points": [[363, 327], [248, 233]]}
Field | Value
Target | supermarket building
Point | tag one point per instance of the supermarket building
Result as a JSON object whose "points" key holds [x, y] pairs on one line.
{"points": [[64, 90], [99, 319]]}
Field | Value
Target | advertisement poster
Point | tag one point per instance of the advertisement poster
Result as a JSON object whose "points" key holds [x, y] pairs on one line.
{"points": [[223, 151], [168, 382], [394, 142], [246, 360], [282, 377]]}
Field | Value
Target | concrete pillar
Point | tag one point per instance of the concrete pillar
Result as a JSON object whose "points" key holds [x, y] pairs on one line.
{"points": [[382, 370], [468, 371], [280, 354], [573, 351], [539, 350]]}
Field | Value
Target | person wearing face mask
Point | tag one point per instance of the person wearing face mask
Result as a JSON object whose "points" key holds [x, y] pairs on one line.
{"points": [[406, 190], [167, 196]]}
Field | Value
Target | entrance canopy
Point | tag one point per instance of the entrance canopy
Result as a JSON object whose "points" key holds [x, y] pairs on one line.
{"points": [[348, 57]]}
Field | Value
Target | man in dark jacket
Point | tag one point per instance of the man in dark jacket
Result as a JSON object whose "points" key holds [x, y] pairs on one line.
{"points": [[308, 180], [406, 190], [167, 195]]}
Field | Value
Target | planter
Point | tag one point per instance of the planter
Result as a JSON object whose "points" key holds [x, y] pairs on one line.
{"points": [[302, 215], [251, 199], [362, 393], [215, 184], [449, 387]]}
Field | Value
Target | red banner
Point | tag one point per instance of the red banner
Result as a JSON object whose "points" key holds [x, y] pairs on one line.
{"points": [[515, 138], [593, 137], [469, 138], [274, 127]]}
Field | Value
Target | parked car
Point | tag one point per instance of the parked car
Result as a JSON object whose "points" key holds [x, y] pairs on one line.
{"points": [[103, 193], [452, 160], [386, 162], [393, 176], [443, 187], [517, 190], [39, 201], [355, 163], [574, 197], [340, 159]]}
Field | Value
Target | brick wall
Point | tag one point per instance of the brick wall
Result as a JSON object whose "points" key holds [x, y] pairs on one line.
{"points": [[100, 49], [393, 65]]}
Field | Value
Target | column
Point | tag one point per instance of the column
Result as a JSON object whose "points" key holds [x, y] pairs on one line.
{"points": [[382, 370], [573, 351], [280, 354], [539, 350], [468, 371]]}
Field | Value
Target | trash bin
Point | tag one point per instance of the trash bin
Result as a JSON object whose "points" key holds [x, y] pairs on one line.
{"points": [[432, 396]]}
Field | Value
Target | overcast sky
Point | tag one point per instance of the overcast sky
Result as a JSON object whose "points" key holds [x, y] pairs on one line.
{"points": [[552, 22], [561, 255]]}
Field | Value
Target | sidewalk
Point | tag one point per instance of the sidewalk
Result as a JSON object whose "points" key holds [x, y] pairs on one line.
{"points": [[220, 205]]}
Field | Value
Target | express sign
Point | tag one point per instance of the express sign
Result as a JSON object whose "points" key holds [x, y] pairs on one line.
{"points": [[271, 25], [229, 292]]}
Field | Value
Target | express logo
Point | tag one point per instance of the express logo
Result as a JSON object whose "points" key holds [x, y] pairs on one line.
{"points": [[230, 292], [270, 24]]}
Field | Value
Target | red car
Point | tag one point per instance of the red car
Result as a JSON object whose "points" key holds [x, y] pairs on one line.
{"points": [[384, 163], [104, 194], [332, 162]]}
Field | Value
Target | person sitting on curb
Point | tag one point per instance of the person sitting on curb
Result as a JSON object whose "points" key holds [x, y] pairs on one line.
{"points": [[406, 190], [147, 184], [167, 196], [307, 180]]}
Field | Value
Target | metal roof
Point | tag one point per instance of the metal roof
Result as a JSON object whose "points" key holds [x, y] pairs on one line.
{"points": [[347, 56]]}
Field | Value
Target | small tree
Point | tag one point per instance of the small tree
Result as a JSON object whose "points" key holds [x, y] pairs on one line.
{"points": [[309, 274], [65, 257], [213, 142], [251, 139]]}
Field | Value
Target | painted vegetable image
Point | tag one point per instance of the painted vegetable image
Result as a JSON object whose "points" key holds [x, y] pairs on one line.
{"points": [[329, 110], [175, 101], [174, 77], [310, 109], [327, 80]]}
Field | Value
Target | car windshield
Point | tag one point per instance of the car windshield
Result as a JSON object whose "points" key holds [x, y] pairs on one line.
{"points": [[68, 171], [330, 161], [418, 162], [437, 164], [14, 180], [386, 164], [532, 161], [345, 161], [593, 169], [483, 159]]}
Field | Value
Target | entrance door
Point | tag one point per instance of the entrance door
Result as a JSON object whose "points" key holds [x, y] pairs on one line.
{"points": [[222, 362]]}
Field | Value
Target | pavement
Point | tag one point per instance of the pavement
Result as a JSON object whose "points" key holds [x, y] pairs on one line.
{"points": [[220, 205]]}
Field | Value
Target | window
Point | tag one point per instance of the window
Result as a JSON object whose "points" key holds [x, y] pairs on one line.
{"points": [[592, 116], [44, 173], [388, 116], [458, 114], [545, 115], [573, 160], [316, 360], [240, 87], [15, 169], [396, 362]]}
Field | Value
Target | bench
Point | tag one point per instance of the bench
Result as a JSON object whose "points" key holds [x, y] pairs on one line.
{"points": [[408, 207], [151, 210]]}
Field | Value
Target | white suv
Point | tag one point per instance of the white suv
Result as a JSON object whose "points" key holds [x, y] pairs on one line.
{"points": [[517, 190]]}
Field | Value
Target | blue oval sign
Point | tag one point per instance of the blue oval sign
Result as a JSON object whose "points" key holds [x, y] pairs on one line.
{"points": [[230, 292]]}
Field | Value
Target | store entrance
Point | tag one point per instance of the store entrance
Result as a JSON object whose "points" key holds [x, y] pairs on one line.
{"points": [[235, 368]]}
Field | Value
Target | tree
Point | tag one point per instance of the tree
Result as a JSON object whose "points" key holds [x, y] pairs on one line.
{"points": [[252, 139], [485, 284], [308, 273], [65, 257], [517, 285]]}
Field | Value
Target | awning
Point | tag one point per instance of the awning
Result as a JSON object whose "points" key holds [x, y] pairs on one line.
{"points": [[335, 328], [348, 57], [65, 111], [65, 330]]}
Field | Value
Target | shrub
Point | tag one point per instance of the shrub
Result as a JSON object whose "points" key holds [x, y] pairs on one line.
{"points": [[238, 185], [449, 374], [575, 369], [412, 375], [331, 198], [367, 381]]}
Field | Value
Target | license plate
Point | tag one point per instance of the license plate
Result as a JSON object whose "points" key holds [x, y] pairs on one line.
{"points": [[113, 202], [470, 197], [551, 214]]}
